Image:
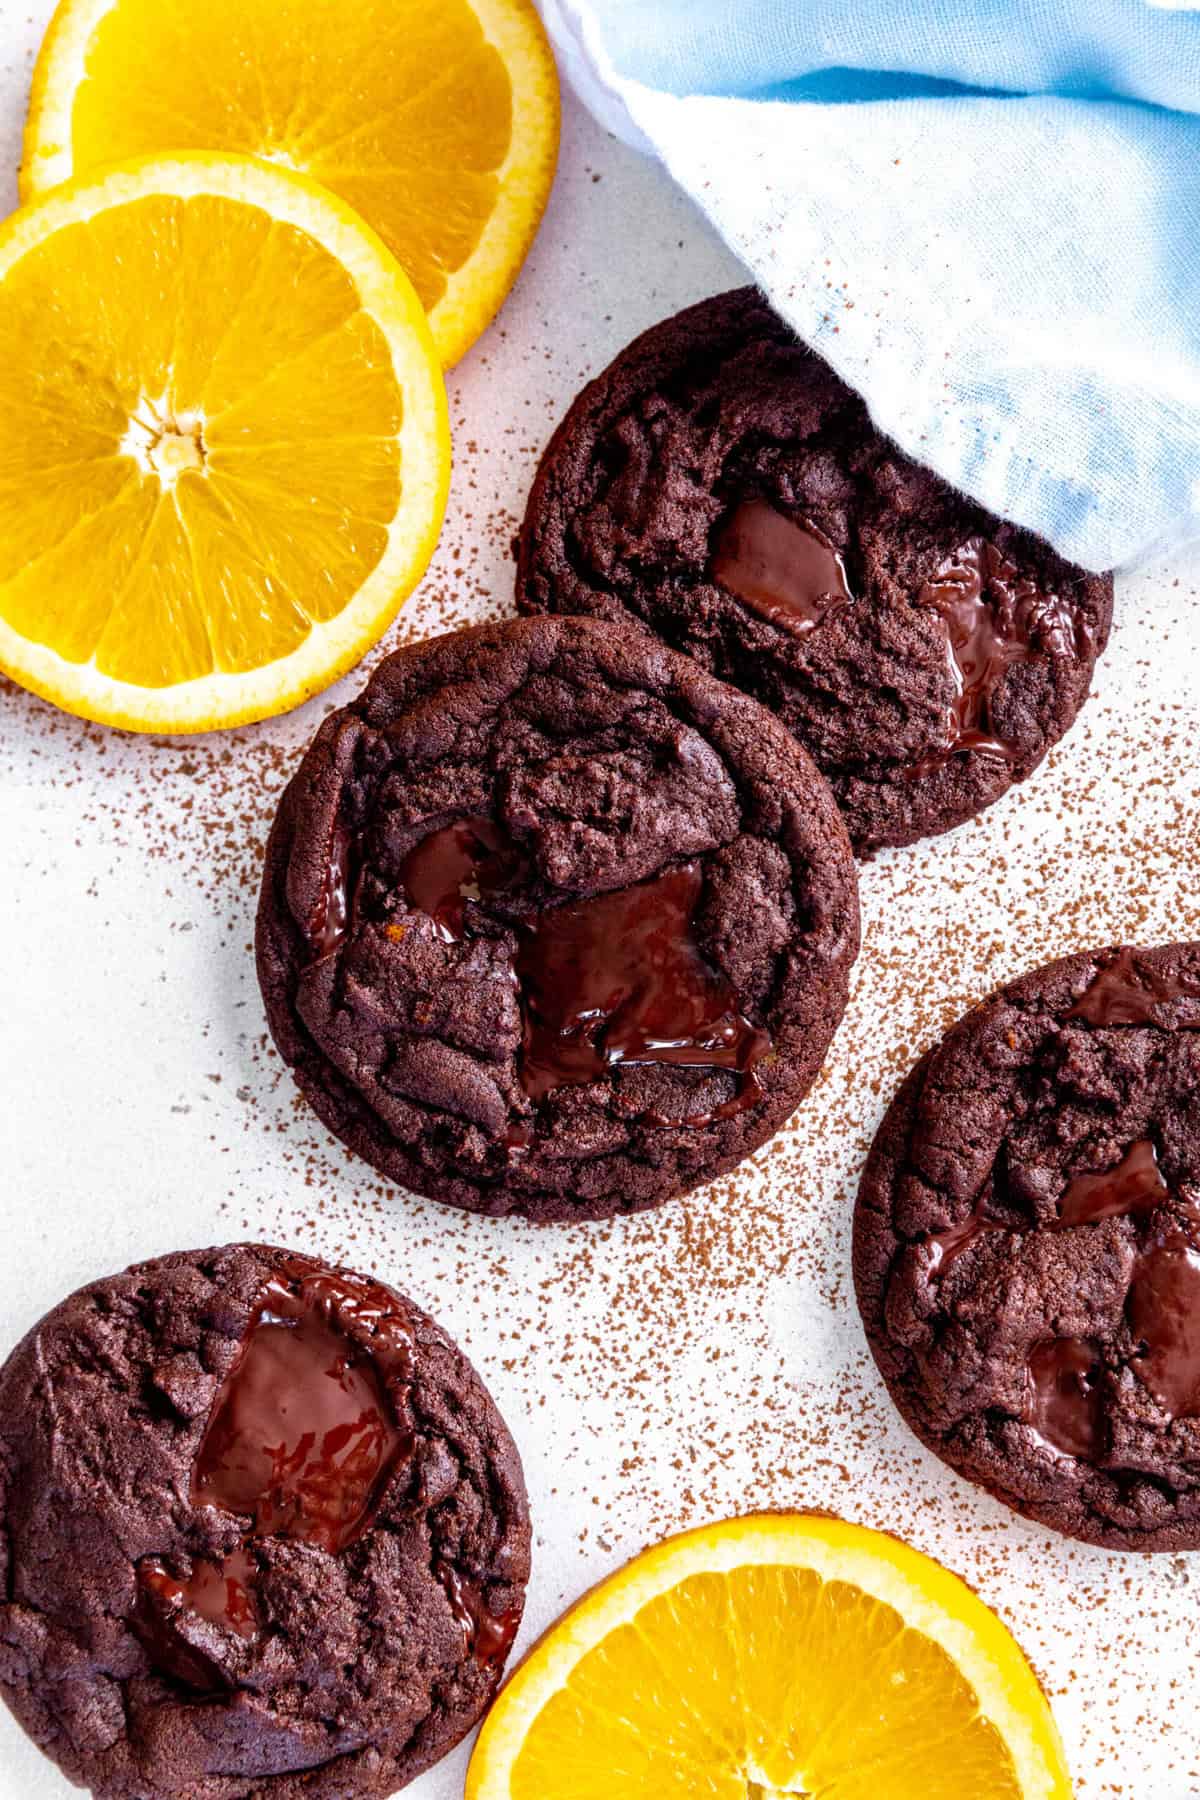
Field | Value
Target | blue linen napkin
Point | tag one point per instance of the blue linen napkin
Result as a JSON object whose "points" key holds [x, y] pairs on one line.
{"points": [[984, 213]]}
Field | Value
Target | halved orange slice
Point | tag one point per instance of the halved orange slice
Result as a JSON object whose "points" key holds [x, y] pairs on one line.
{"points": [[224, 452], [767, 1657]]}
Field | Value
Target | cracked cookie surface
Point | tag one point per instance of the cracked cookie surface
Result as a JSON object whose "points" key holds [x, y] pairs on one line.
{"points": [[720, 486], [1027, 1247], [227, 1577], [553, 923]]}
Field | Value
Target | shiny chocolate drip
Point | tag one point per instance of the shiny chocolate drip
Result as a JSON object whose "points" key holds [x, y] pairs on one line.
{"points": [[788, 573], [171, 1612], [995, 618], [1134, 1185], [221, 1592], [1123, 993], [947, 1246], [620, 979], [305, 1431], [1063, 1401], [468, 860], [488, 1634], [329, 925], [1163, 1310]]}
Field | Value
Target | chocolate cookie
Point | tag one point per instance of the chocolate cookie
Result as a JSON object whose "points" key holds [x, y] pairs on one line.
{"points": [[262, 1533], [553, 923], [1027, 1247], [720, 486]]}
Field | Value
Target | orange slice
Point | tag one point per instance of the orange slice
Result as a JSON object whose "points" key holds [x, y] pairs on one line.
{"points": [[767, 1657], [437, 122], [224, 452]]}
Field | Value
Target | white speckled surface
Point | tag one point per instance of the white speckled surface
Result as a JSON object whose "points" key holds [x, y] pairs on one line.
{"points": [[656, 1371]]}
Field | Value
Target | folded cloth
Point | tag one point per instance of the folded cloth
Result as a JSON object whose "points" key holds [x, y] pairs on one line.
{"points": [[984, 213]]}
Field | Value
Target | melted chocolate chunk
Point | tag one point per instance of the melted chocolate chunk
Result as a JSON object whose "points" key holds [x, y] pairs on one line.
{"points": [[328, 928], [168, 1607], [621, 979], [305, 1431], [1134, 1185], [1063, 1401], [949, 1244], [1164, 1315], [788, 573], [1126, 993], [488, 1635], [221, 1592], [469, 860], [995, 618], [615, 979]]}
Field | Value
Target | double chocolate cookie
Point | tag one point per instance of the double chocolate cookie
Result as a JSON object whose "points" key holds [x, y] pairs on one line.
{"points": [[553, 922], [1027, 1247], [721, 487], [263, 1533]]}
